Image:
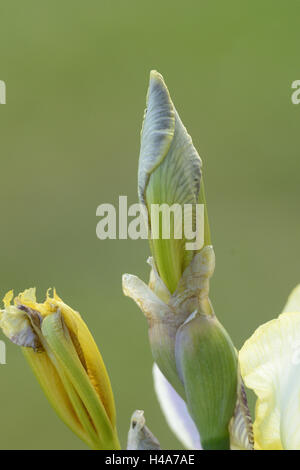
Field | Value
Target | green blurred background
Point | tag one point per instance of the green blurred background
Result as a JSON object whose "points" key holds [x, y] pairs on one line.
{"points": [[76, 75]]}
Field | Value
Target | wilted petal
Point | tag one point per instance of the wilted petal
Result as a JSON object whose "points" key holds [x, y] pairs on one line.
{"points": [[67, 364], [16, 324], [175, 411], [27, 297]]}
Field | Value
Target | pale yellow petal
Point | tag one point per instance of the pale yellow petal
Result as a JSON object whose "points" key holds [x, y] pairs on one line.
{"points": [[270, 365], [28, 299], [29, 295], [293, 302], [8, 298]]}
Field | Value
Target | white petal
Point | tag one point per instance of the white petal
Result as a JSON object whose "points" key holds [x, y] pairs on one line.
{"points": [[175, 411], [144, 297], [140, 437]]}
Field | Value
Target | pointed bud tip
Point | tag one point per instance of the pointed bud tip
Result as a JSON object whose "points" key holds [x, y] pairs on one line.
{"points": [[155, 75], [158, 87]]}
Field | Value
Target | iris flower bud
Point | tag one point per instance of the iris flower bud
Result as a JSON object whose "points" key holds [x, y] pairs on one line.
{"points": [[170, 173], [207, 364], [169, 177], [67, 363], [189, 346]]}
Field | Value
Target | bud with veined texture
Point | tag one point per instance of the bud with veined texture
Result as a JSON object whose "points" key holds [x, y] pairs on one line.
{"points": [[169, 176], [207, 364], [184, 333], [170, 173], [67, 363]]}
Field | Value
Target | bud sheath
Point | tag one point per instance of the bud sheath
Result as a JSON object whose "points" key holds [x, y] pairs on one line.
{"points": [[207, 364]]}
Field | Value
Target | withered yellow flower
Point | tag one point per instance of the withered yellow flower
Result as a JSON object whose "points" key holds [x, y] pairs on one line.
{"points": [[67, 363]]}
